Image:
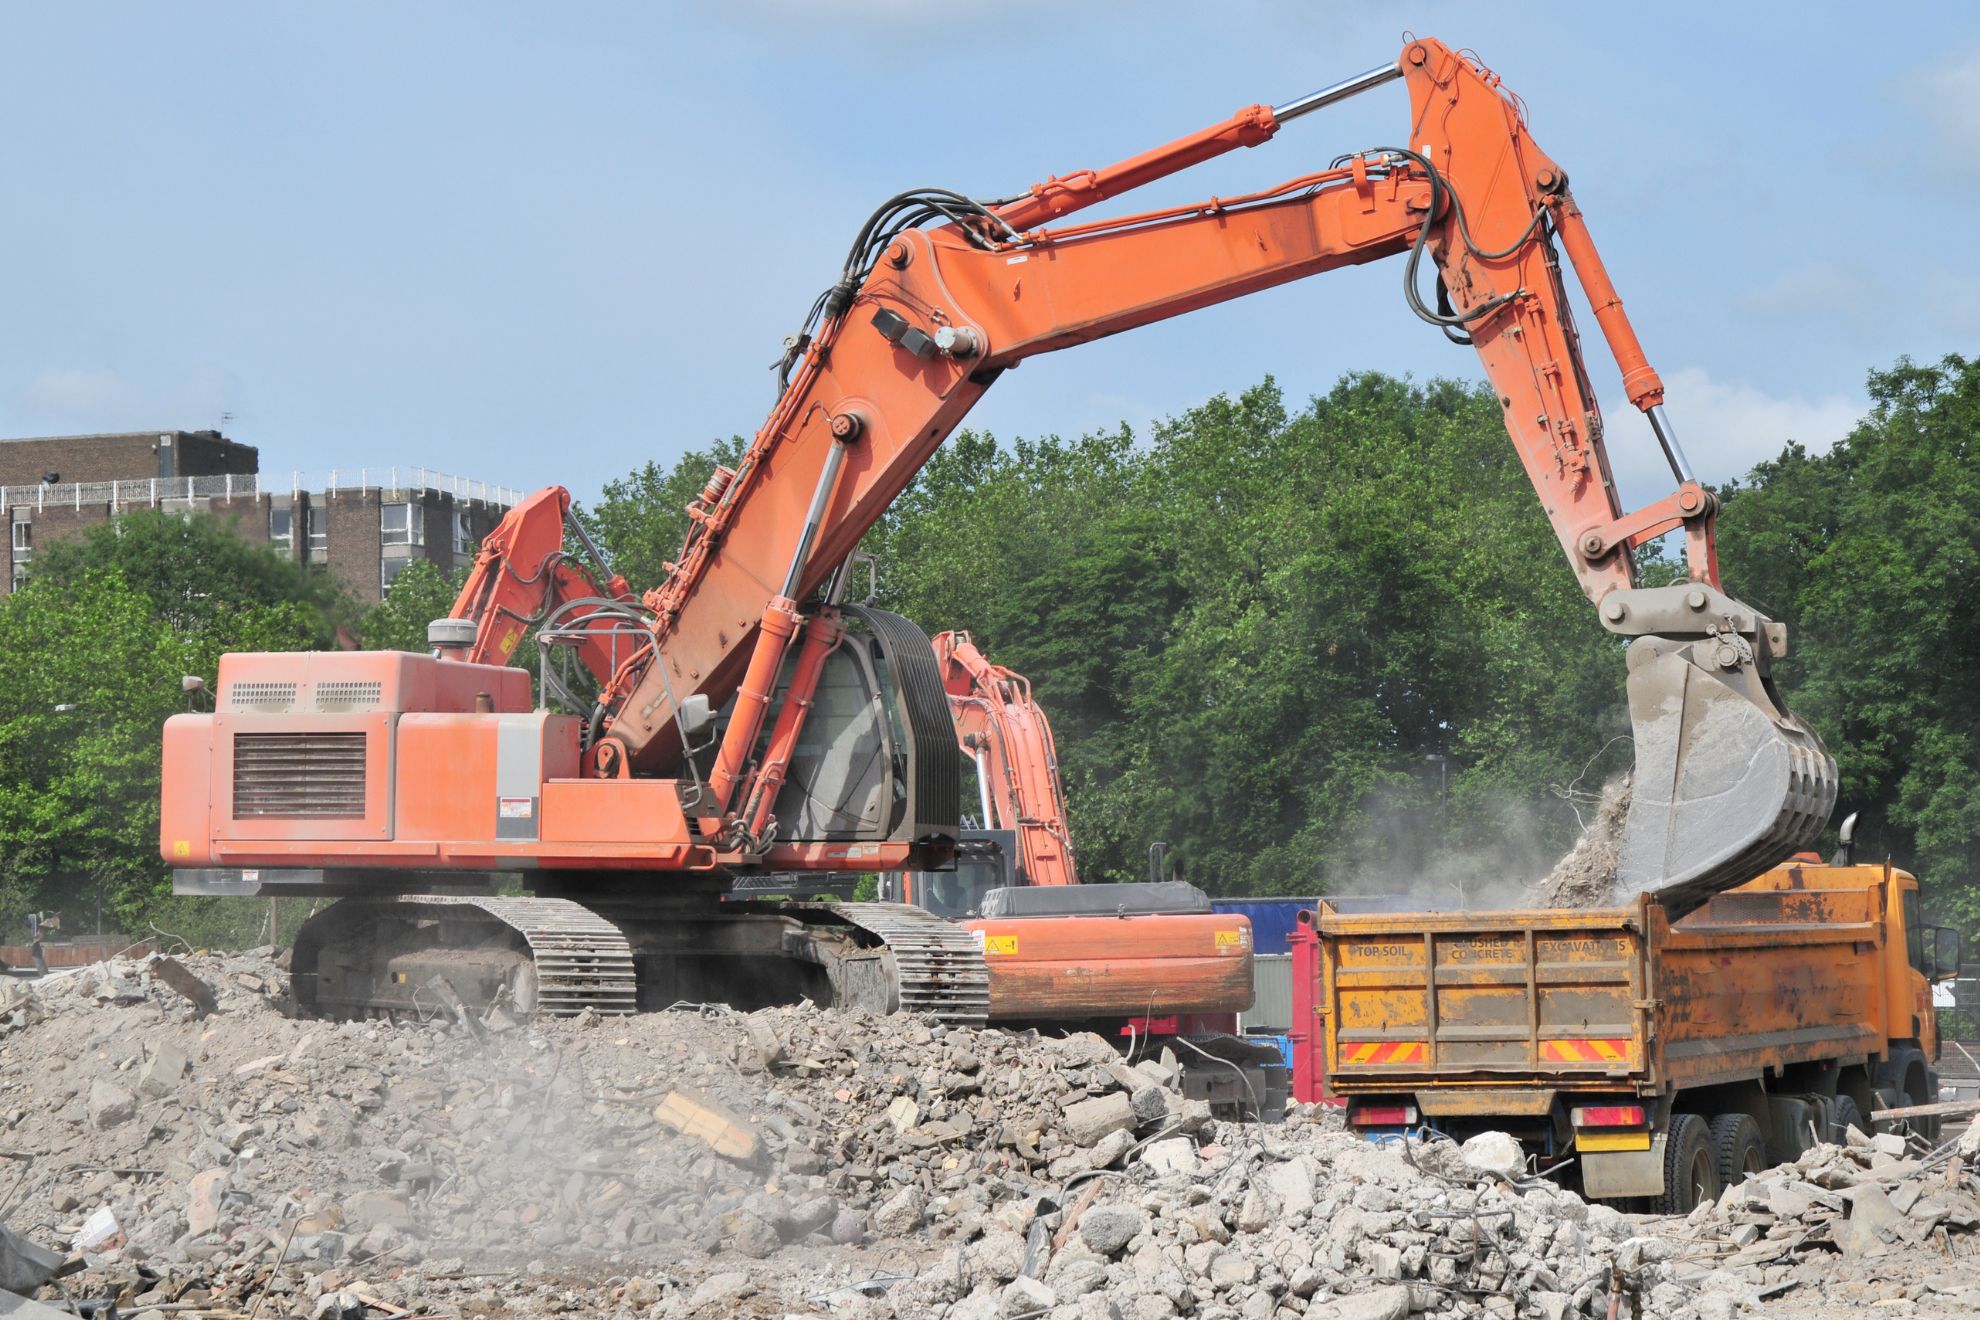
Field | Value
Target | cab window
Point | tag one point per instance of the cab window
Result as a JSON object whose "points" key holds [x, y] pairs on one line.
{"points": [[1914, 932]]}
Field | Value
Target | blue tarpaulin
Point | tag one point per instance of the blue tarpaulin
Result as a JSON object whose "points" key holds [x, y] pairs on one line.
{"points": [[1272, 919]]}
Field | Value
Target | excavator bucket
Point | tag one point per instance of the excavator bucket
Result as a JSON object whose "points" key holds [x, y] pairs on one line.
{"points": [[1727, 782]]}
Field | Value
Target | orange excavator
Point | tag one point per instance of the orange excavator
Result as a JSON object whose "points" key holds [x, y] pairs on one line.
{"points": [[1023, 839], [1145, 963], [742, 717]]}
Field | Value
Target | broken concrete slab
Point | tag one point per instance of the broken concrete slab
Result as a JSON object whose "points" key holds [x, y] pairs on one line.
{"points": [[1087, 1121]]}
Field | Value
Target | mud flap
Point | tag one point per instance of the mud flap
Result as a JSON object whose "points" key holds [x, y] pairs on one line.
{"points": [[1610, 1174], [1727, 782]]}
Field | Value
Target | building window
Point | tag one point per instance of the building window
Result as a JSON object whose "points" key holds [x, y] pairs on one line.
{"points": [[282, 527], [463, 533], [319, 536], [23, 550], [401, 524], [389, 569]]}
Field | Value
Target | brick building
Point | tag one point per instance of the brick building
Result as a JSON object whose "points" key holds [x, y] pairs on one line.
{"points": [[363, 527]]}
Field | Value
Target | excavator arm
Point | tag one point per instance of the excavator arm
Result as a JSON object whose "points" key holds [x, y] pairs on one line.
{"points": [[1009, 738], [523, 577], [924, 320]]}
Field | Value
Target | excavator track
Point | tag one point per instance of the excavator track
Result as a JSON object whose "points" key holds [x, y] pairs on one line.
{"points": [[382, 956], [938, 966], [417, 954], [582, 960]]}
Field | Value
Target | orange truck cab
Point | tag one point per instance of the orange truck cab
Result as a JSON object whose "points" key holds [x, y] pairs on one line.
{"points": [[1654, 1059]]}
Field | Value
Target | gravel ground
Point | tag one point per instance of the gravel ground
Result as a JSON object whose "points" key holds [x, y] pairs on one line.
{"points": [[798, 1162]]}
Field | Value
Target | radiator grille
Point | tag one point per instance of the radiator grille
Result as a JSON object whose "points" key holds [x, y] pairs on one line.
{"points": [[261, 696], [347, 695], [299, 775]]}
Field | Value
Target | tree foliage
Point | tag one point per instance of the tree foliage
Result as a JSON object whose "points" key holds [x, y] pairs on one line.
{"points": [[642, 518], [94, 647], [1871, 552], [419, 595]]}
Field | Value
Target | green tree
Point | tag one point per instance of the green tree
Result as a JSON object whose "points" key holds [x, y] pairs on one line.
{"points": [[94, 646], [641, 519], [1869, 552], [194, 571], [419, 595]]}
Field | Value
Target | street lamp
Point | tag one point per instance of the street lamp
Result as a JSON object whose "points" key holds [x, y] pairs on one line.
{"points": [[1442, 763]]}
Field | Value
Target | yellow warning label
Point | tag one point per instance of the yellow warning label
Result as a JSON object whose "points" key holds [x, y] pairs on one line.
{"points": [[509, 641], [181, 848], [1230, 939], [1000, 944]]}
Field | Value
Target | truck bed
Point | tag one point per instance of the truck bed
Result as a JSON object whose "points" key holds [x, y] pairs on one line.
{"points": [[1611, 999]]}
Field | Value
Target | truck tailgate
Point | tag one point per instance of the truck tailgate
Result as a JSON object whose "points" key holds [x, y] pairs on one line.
{"points": [[1424, 997]]}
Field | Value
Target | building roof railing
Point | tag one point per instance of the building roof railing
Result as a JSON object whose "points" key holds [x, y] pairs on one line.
{"points": [[150, 492]]}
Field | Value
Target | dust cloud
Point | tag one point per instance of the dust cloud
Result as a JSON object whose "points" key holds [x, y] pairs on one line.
{"points": [[1397, 868]]}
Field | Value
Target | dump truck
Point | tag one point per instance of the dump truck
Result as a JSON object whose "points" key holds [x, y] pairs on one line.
{"points": [[1650, 1060]]}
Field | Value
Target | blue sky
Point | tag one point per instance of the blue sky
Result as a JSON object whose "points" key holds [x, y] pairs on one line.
{"points": [[545, 243]]}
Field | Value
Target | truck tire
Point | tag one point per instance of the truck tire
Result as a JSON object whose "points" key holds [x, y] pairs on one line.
{"points": [[1791, 1116], [1845, 1117], [1691, 1172], [1737, 1148], [1907, 1073]]}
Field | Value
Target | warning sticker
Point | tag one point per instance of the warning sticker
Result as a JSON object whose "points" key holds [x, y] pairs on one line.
{"points": [[1228, 940], [995, 944], [516, 808]]}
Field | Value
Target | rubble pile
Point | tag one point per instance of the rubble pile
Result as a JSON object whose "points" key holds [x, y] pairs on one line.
{"points": [[1586, 877], [1877, 1220], [198, 1149]]}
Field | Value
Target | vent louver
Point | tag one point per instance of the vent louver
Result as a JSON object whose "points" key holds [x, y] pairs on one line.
{"points": [[347, 695], [302, 776], [261, 696]]}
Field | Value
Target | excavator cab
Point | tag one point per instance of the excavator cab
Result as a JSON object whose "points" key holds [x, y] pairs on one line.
{"points": [[984, 861]]}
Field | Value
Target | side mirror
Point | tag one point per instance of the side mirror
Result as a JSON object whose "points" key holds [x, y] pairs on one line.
{"points": [[695, 714], [1945, 953]]}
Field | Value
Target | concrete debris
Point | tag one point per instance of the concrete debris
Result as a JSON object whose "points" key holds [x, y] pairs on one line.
{"points": [[1109, 1229], [175, 974], [25, 1265], [724, 1133], [13, 1306], [1494, 1152], [710, 1163], [1089, 1120], [1863, 1223], [1586, 877]]}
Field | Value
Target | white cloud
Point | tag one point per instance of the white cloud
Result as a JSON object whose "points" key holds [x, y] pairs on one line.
{"points": [[78, 392], [103, 399], [1953, 298], [1819, 290], [1947, 97], [1724, 429]]}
